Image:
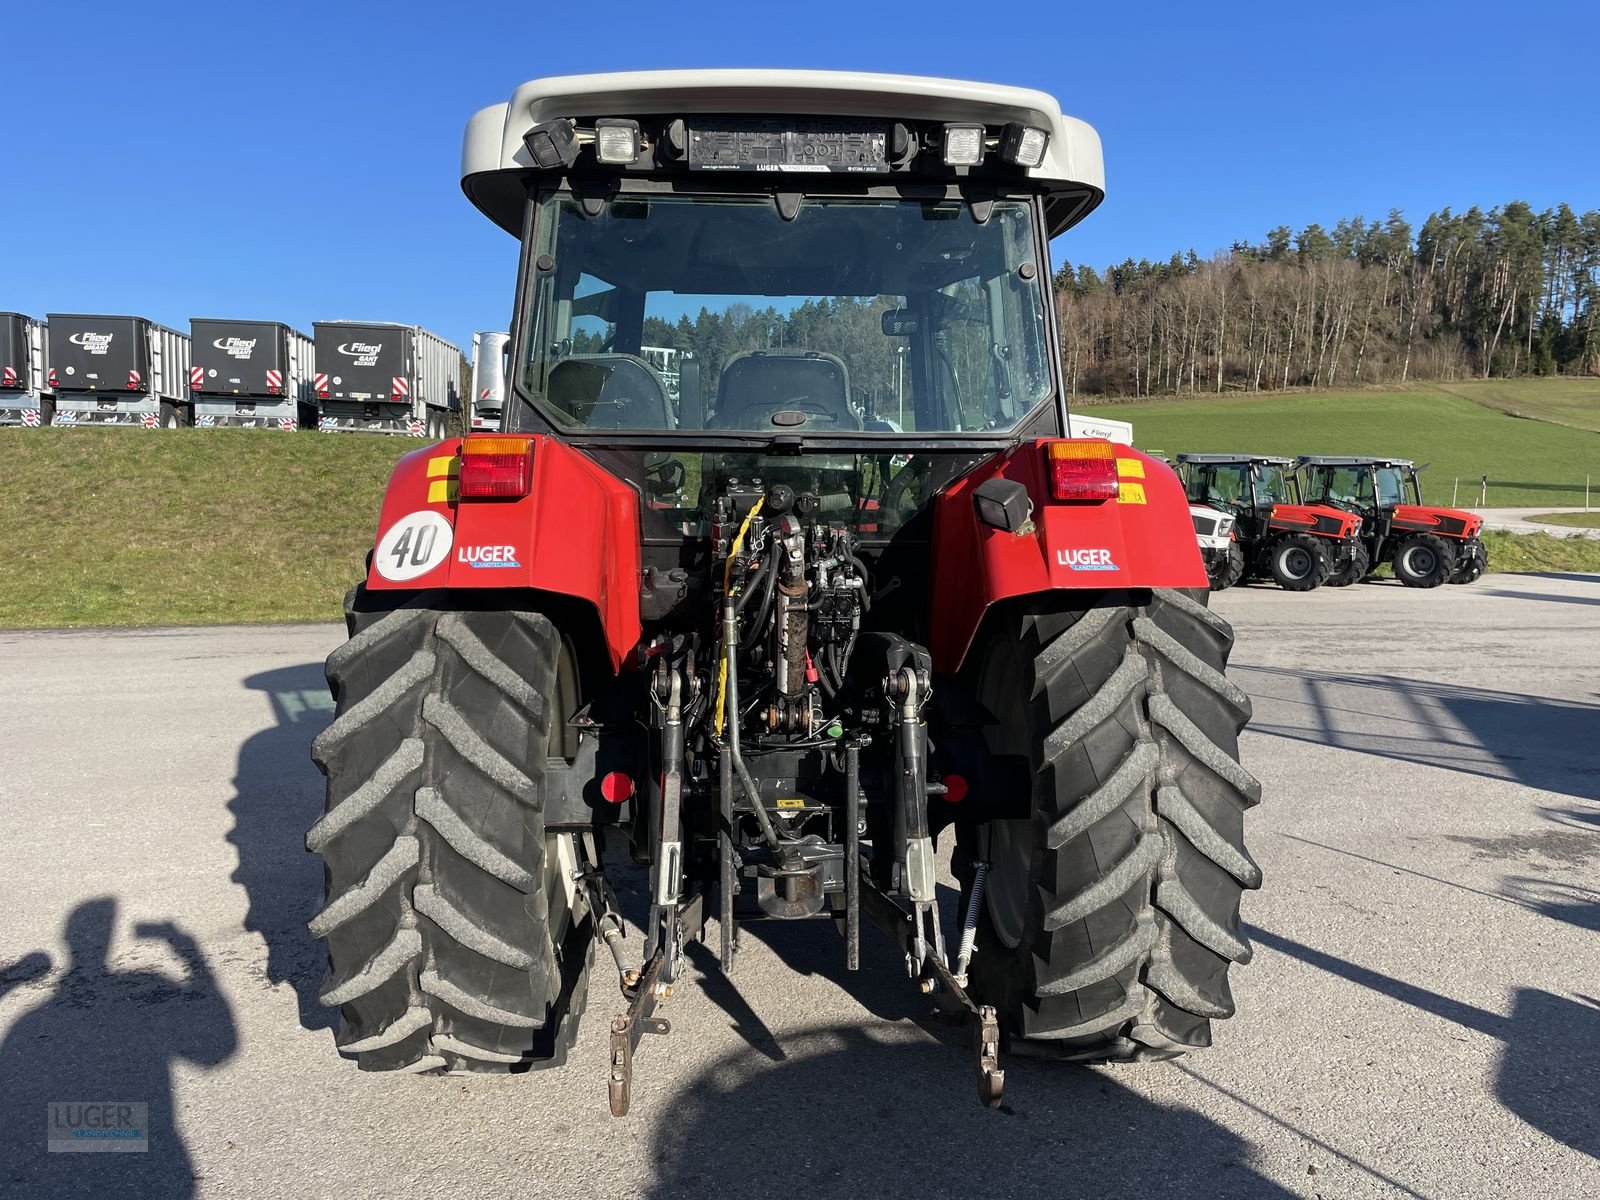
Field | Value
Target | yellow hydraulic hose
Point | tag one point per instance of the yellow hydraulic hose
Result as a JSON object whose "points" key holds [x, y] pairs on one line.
{"points": [[727, 632]]}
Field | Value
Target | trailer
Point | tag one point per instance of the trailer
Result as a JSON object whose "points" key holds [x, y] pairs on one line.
{"points": [[376, 377], [251, 375], [26, 397], [118, 371], [1079, 425], [489, 352]]}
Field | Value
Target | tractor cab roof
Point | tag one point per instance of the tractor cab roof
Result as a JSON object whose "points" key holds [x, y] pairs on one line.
{"points": [[1268, 459], [890, 129], [1350, 460]]}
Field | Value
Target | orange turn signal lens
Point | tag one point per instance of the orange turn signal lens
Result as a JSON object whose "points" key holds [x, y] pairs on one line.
{"points": [[1083, 469], [496, 468]]}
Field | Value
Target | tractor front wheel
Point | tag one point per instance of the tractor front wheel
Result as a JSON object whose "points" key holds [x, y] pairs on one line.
{"points": [[454, 938], [1471, 564], [1355, 568], [1111, 915], [1424, 560], [1227, 570], [1299, 562]]}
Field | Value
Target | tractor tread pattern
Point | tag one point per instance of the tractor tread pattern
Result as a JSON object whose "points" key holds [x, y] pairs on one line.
{"points": [[1139, 791], [433, 842]]}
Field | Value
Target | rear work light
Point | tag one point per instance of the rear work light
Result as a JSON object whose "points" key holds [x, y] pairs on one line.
{"points": [[616, 142], [963, 145], [1081, 470], [496, 468], [1024, 145]]}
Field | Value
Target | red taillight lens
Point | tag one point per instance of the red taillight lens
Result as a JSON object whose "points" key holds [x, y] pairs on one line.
{"points": [[496, 467], [615, 787], [1082, 470]]}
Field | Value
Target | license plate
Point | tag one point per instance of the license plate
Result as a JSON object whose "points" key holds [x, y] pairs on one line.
{"points": [[805, 146]]}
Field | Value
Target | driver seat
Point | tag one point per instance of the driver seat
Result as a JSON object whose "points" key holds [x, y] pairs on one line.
{"points": [[756, 385]]}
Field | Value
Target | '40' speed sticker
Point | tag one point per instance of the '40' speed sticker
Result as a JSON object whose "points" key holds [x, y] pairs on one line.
{"points": [[415, 544]]}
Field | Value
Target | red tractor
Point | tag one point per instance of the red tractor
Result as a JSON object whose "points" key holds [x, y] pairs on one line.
{"points": [[1425, 545], [1301, 546], [772, 631]]}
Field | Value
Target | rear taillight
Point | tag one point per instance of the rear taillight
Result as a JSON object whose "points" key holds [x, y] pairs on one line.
{"points": [[1082, 470], [496, 467]]}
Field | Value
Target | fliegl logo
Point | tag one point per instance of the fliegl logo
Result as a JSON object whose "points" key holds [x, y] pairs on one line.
{"points": [[240, 348], [94, 343], [365, 353], [1085, 560], [488, 556]]}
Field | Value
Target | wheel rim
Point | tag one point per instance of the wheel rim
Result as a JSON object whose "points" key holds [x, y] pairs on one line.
{"points": [[1296, 562], [1006, 893], [1419, 560]]}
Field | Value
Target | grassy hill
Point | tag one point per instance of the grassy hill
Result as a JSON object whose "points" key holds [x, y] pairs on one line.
{"points": [[1461, 436], [124, 527]]}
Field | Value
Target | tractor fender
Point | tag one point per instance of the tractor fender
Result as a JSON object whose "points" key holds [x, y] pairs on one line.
{"points": [[575, 534], [1142, 539]]}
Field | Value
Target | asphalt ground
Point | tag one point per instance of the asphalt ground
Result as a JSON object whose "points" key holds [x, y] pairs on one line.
{"points": [[1420, 1018]]}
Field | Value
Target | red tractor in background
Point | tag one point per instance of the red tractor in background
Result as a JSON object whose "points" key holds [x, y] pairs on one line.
{"points": [[1301, 546], [1426, 546], [847, 586]]}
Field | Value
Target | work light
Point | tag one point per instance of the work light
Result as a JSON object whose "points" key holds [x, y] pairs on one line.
{"points": [[1024, 145], [963, 145], [616, 141], [553, 144]]}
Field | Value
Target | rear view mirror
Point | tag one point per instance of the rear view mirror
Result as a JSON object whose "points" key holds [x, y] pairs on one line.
{"points": [[897, 322]]}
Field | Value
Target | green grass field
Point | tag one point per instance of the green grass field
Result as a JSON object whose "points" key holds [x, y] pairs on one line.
{"points": [[126, 527], [1528, 462], [1574, 402]]}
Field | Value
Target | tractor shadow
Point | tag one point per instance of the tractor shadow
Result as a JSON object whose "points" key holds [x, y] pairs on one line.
{"points": [[851, 1114], [277, 797], [1527, 739], [1549, 1068]]}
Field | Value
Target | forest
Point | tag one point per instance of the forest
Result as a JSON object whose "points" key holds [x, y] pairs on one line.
{"points": [[1509, 292]]}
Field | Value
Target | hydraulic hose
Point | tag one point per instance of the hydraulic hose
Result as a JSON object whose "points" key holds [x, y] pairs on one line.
{"points": [[730, 663]]}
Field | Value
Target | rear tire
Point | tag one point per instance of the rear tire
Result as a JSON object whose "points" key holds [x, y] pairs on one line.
{"points": [[453, 939], [1472, 564], [1355, 568], [172, 415], [1299, 562], [1424, 560], [1112, 915]]}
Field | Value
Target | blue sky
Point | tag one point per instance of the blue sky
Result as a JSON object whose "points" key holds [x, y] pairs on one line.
{"points": [[299, 162]]}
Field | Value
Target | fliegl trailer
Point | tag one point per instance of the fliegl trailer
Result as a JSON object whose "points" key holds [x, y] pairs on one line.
{"points": [[489, 379], [383, 378], [251, 375], [26, 397], [118, 371]]}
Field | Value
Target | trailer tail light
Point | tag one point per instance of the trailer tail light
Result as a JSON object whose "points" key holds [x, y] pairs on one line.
{"points": [[1082, 470], [496, 467], [197, 378], [955, 788], [9, 377], [53, 382], [134, 381]]}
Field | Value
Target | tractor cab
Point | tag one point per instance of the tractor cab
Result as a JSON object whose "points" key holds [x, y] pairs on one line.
{"points": [[1300, 545], [1426, 545]]}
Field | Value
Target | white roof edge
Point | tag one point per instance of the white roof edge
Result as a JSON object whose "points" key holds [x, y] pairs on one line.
{"points": [[493, 139]]}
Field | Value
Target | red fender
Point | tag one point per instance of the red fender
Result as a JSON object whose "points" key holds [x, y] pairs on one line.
{"points": [[1142, 539], [575, 534]]}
